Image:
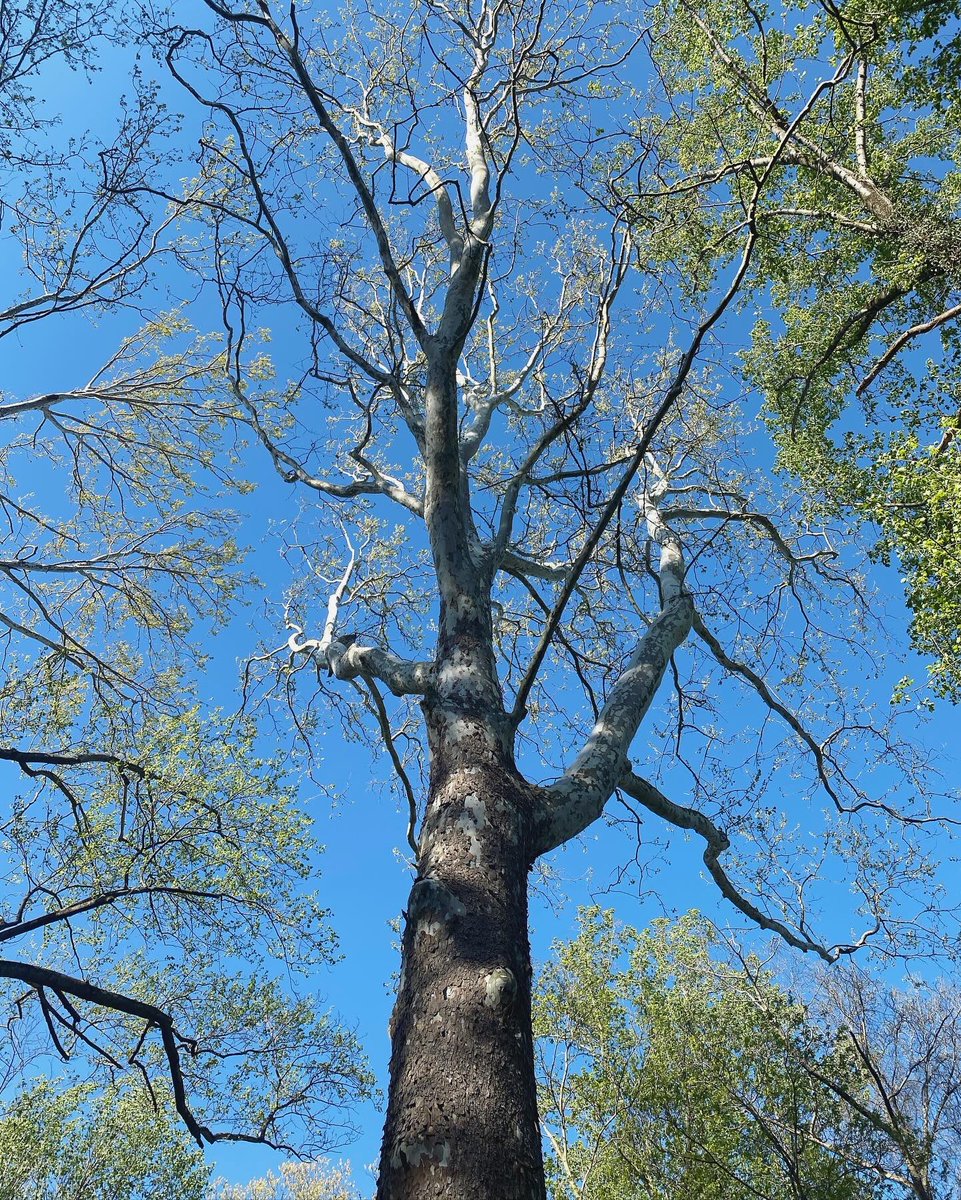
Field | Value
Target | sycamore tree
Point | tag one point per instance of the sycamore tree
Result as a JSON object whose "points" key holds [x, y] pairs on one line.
{"points": [[521, 263], [134, 832]]}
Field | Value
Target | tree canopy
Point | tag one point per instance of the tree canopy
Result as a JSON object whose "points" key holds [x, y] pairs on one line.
{"points": [[611, 412], [69, 1143], [835, 129], [147, 849], [668, 1066]]}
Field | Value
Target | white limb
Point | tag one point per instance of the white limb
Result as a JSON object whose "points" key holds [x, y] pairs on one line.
{"points": [[475, 134], [333, 604], [578, 798], [484, 406], [514, 562], [482, 37], [346, 660], [670, 556], [650, 429], [375, 483], [861, 120], [435, 184], [388, 485]]}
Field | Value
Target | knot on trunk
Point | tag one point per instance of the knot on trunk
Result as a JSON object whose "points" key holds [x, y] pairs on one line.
{"points": [[500, 988], [433, 905]]}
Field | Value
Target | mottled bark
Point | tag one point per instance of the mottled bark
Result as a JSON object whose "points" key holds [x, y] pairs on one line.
{"points": [[462, 1116], [462, 1113]]}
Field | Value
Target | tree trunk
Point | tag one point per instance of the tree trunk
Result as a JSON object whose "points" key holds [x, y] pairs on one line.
{"points": [[462, 1113]]}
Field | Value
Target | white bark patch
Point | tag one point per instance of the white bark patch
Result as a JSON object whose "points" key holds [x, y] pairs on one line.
{"points": [[500, 988], [453, 674], [428, 928], [470, 822], [411, 1154], [459, 730]]}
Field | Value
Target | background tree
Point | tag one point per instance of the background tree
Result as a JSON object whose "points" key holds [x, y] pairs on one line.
{"points": [[70, 1142], [666, 1070], [670, 1066], [492, 437], [136, 832], [294, 1181], [905, 1047]]}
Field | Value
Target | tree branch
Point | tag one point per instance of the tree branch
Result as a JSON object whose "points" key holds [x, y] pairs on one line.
{"points": [[39, 978], [651, 428], [717, 842], [902, 340], [577, 799], [346, 660], [291, 52]]}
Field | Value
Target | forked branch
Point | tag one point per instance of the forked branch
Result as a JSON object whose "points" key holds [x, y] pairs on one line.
{"points": [[174, 1043], [346, 660]]}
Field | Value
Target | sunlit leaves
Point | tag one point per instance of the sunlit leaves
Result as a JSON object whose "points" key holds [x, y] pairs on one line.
{"points": [[856, 252], [61, 1142], [666, 1070]]}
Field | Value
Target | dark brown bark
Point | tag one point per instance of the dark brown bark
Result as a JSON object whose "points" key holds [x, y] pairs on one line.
{"points": [[462, 1114]]}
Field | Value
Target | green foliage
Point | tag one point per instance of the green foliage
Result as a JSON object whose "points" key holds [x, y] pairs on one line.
{"points": [[74, 1143], [180, 844], [919, 514], [855, 191], [667, 1072], [154, 867]]}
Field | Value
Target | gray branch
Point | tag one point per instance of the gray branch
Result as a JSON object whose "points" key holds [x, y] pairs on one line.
{"points": [[717, 842], [577, 799]]}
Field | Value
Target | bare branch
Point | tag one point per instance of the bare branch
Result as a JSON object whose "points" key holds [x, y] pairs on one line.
{"points": [[717, 842], [620, 262], [346, 660], [389, 737], [291, 52], [651, 428], [155, 1018], [902, 340]]}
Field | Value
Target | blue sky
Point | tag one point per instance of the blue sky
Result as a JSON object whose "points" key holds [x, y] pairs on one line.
{"points": [[364, 877]]}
